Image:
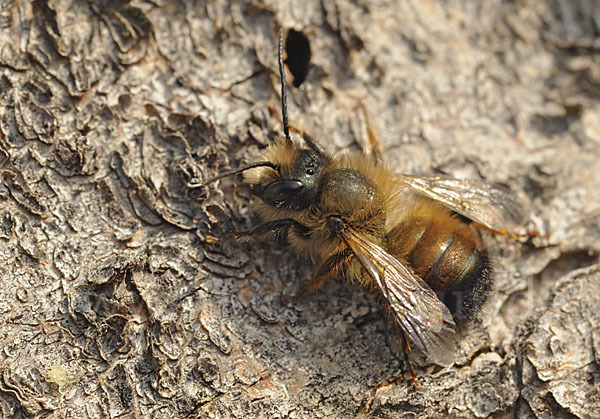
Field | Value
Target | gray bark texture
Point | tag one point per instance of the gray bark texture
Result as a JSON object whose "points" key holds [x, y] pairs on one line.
{"points": [[112, 303]]}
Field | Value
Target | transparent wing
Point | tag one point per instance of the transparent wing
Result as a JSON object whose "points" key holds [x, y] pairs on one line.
{"points": [[494, 207], [418, 311]]}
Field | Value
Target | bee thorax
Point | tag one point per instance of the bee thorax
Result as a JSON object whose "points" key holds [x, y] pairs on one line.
{"points": [[347, 191]]}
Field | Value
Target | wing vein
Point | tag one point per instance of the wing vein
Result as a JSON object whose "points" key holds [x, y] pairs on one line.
{"points": [[417, 310]]}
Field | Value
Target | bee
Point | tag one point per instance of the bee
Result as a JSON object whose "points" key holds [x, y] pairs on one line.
{"points": [[415, 239]]}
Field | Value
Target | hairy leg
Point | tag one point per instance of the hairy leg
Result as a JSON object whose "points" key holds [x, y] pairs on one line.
{"points": [[374, 145], [262, 232], [334, 266]]}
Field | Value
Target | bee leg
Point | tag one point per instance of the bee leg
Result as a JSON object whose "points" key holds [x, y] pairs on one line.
{"points": [[330, 268], [263, 232], [374, 145], [390, 381], [407, 352], [512, 235]]}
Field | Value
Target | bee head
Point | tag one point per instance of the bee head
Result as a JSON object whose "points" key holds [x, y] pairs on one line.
{"points": [[294, 182]]}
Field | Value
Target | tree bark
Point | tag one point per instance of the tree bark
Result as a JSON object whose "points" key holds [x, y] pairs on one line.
{"points": [[113, 304]]}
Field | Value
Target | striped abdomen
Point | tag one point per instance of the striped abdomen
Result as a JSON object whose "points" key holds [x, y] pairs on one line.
{"points": [[447, 253]]}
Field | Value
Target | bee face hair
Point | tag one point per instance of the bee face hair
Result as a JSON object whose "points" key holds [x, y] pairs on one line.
{"points": [[299, 185]]}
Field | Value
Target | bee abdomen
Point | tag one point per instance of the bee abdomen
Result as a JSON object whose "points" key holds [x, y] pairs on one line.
{"points": [[461, 275], [446, 253], [465, 296]]}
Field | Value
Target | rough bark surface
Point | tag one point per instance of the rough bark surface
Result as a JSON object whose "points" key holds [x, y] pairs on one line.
{"points": [[113, 305]]}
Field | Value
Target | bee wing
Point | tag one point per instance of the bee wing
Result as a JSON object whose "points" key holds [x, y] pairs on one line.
{"points": [[494, 207], [424, 319]]}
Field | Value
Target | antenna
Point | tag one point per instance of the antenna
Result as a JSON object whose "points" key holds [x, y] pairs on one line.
{"points": [[286, 127]]}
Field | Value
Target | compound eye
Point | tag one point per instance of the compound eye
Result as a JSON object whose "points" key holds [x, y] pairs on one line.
{"points": [[281, 191]]}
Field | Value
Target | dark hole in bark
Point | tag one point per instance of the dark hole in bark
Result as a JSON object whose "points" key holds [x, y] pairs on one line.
{"points": [[297, 48]]}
